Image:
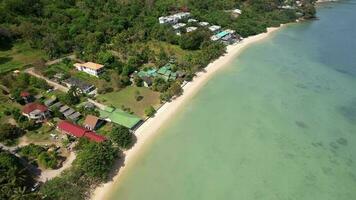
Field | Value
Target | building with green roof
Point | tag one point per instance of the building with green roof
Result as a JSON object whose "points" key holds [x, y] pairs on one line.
{"points": [[120, 117]]}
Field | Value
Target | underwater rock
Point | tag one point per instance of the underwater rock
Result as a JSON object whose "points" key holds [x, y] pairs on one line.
{"points": [[301, 124], [342, 141]]}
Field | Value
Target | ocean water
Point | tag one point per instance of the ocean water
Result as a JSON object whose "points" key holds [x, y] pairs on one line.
{"points": [[278, 123]]}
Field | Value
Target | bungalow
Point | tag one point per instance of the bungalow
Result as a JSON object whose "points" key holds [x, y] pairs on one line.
{"points": [[203, 24], [192, 20], [36, 111], [75, 116], [236, 12], [92, 122], [191, 29], [214, 28], [91, 68], [178, 26], [82, 86], [173, 19], [78, 131]]}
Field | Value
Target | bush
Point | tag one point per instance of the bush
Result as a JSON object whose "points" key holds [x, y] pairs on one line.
{"points": [[121, 136], [150, 111]]}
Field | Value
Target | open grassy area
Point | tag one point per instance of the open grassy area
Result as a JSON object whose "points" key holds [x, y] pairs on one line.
{"points": [[126, 98], [40, 135], [20, 55]]}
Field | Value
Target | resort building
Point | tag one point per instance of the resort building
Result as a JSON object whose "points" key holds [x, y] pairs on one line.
{"points": [[214, 28], [227, 37], [178, 26], [191, 29], [91, 68], [173, 19], [192, 20], [82, 86], [203, 23], [36, 111], [77, 131]]}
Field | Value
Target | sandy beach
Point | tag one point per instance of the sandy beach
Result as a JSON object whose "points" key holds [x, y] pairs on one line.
{"points": [[150, 128]]}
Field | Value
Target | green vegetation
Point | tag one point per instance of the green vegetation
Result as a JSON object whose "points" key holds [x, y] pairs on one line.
{"points": [[16, 181], [18, 56], [92, 166], [121, 136], [9, 132], [150, 111], [39, 154], [126, 98]]}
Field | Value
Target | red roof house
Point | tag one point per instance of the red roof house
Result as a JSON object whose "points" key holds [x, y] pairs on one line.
{"points": [[35, 111], [94, 137], [78, 131], [24, 94]]}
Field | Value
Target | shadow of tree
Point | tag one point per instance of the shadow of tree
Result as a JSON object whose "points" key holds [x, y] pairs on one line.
{"points": [[4, 60]]}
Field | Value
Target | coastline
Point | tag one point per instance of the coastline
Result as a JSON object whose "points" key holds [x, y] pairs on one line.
{"points": [[149, 129]]}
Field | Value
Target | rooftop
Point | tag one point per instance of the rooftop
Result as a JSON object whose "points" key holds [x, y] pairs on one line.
{"points": [[28, 108], [119, 117], [90, 65], [79, 132]]}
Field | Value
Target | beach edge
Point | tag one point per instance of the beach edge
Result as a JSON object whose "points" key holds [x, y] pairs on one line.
{"points": [[150, 128]]}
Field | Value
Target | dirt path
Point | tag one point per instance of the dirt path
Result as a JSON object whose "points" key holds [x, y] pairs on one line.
{"points": [[50, 174], [52, 83]]}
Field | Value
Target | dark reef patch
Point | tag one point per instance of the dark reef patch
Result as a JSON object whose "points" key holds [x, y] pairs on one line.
{"points": [[301, 124]]}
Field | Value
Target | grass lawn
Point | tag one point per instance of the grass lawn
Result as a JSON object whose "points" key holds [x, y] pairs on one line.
{"points": [[18, 56], [40, 135], [126, 98]]}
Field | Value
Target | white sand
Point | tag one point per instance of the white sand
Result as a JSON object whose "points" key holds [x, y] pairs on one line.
{"points": [[151, 127]]}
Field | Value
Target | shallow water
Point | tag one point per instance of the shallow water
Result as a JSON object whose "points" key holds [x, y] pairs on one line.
{"points": [[278, 123]]}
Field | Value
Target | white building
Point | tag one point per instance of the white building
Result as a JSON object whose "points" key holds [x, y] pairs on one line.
{"points": [[237, 11], [173, 19], [214, 28], [192, 20], [91, 68], [191, 28], [203, 23], [178, 26]]}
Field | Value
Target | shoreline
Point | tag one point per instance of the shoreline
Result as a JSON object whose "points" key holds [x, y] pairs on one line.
{"points": [[150, 128]]}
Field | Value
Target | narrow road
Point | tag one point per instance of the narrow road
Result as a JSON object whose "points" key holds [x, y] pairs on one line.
{"points": [[71, 57], [52, 83], [50, 174]]}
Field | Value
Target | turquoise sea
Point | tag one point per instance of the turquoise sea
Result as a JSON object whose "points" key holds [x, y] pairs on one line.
{"points": [[279, 123]]}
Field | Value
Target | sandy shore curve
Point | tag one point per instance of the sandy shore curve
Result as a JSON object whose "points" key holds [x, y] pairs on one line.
{"points": [[146, 132]]}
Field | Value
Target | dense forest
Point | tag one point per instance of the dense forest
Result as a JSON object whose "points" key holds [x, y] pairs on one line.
{"points": [[98, 29]]}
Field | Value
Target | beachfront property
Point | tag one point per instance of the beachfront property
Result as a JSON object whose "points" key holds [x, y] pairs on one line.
{"points": [[227, 37], [173, 19], [77, 131], [82, 86], [214, 28], [36, 111], [147, 76], [166, 72], [90, 68], [191, 29], [118, 116]]}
